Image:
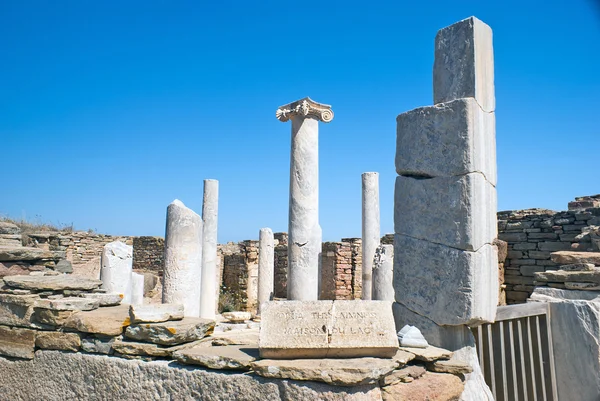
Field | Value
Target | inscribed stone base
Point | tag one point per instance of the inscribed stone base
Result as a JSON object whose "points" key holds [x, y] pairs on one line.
{"points": [[449, 286], [459, 212], [327, 329]]}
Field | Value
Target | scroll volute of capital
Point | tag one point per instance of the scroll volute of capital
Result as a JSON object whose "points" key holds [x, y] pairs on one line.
{"points": [[305, 108]]}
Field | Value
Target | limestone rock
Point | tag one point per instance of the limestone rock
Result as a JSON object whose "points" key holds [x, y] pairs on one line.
{"points": [[9, 228], [582, 286], [171, 333], [429, 354], [64, 266], [51, 317], [453, 367], [577, 267], [406, 375], [446, 140], [238, 357], [560, 276], [17, 269], [155, 313], [312, 329], [16, 310], [570, 257], [547, 294], [237, 317], [10, 240], [135, 348], [403, 357], [24, 253], [109, 321], [242, 337], [430, 386], [340, 372], [450, 286], [69, 303], [105, 299], [467, 203], [98, 344], [57, 341], [410, 336], [117, 262], [52, 283], [17, 343]]}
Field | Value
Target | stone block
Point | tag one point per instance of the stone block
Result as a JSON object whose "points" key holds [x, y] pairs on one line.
{"points": [[155, 313], [554, 246], [171, 333], [464, 64], [17, 343], [16, 310], [7, 228], [227, 357], [448, 285], [108, 321], [314, 329], [58, 341], [52, 283], [568, 257], [116, 273], [459, 212], [447, 139]]}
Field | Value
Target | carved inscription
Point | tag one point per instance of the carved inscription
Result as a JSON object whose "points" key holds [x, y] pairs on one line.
{"points": [[328, 323]]}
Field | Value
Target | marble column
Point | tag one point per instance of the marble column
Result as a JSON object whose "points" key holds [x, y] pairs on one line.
{"points": [[383, 273], [304, 246], [210, 207], [370, 229], [183, 258], [116, 264], [266, 266], [137, 289]]}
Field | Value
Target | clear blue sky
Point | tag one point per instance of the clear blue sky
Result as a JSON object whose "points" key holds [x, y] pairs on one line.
{"points": [[110, 110]]}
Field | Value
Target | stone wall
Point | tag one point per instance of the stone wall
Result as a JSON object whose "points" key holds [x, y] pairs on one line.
{"points": [[533, 234], [338, 270], [148, 254], [281, 265], [239, 275]]}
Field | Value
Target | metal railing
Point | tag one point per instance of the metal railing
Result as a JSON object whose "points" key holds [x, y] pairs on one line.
{"points": [[515, 353]]}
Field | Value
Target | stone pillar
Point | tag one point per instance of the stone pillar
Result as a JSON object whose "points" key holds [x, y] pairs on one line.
{"points": [[445, 262], [115, 273], [183, 258], [304, 242], [383, 272], [370, 229], [137, 289], [210, 207], [266, 266]]}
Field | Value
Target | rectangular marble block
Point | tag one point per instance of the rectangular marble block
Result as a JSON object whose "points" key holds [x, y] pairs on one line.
{"points": [[464, 63], [444, 284], [327, 329], [458, 212], [447, 139]]}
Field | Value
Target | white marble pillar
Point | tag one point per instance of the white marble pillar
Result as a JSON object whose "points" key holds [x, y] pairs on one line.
{"points": [[370, 229], [266, 266], [137, 289], [210, 207], [115, 273], [304, 232], [383, 273], [183, 258]]}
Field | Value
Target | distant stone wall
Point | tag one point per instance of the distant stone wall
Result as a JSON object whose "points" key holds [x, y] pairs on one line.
{"points": [[239, 275], [533, 234], [339, 268], [148, 254], [281, 265]]}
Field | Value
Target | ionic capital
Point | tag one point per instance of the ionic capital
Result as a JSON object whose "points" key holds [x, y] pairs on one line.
{"points": [[305, 108]]}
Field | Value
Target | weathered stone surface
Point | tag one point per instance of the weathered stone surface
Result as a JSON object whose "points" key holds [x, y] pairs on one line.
{"points": [[64, 266], [210, 211], [238, 357], [582, 286], [69, 303], [453, 367], [561, 276], [430, 386], [464, 64], [371, 232], [98, 344], [554, 294], [7, 228], [52, 283], [135, 348], [137, 289], [236, 317], [109, 321], [426, 209], [570, 257], [428, 354], [59, 376], [311, 329], [16, 310], [24, 253], [406, 375], [18, 268], [105, 299], [383, 273], [447, 139], [57, 341], [10, 240], [403, 357], [183, 258], [266, 266], [116, 271], [17, 343], [155, 313], [340, 372], [240, 337], [449, 286], [51, 317], [578, 267], [171, 333]]}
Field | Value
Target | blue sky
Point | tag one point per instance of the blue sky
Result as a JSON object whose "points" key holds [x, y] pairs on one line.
{"points": [[110, 110]]}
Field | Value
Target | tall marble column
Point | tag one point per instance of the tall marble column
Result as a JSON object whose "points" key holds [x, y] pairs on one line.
{"points": [[304, 246], [370, 229], [210, 207], [266, 266], [183, 258]]}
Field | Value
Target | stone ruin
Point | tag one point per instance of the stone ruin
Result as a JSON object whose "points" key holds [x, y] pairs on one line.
{"points": [[372, 318]]}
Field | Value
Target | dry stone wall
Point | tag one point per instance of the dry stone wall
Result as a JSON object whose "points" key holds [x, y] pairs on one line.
{"points": [[533, 234]]}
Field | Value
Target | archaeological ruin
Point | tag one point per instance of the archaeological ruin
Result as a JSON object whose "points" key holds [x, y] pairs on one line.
{"points": [[460, 302]]}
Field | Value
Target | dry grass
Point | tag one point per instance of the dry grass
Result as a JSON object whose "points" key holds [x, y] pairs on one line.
{"points": [[37, 225]]}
